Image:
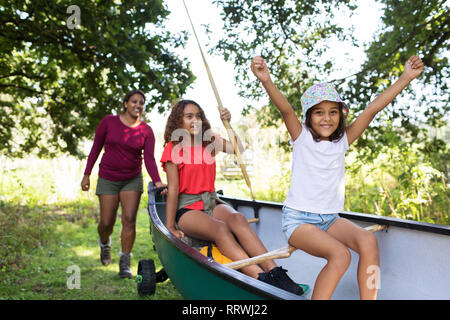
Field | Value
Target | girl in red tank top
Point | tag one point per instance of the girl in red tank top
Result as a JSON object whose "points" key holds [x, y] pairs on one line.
{"points": [[189, 162]]}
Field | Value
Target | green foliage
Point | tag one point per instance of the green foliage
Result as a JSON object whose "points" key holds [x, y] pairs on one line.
{"points": [[400, 184], [410, 27], [418, 193], [295, 36], [57, 82], [288, 34]]}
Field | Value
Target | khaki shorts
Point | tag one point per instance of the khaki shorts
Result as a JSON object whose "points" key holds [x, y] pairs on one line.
{"points": [[105, 186]]}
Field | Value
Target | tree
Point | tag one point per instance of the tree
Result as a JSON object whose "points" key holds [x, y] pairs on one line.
{"points": [[63, 67], [295, 36]]}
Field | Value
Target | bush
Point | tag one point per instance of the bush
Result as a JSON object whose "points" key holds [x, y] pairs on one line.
{"points": [[22, 229]]}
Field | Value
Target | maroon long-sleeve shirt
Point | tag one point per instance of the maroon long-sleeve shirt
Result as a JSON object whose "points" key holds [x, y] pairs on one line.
{"points": [[122, 159]]}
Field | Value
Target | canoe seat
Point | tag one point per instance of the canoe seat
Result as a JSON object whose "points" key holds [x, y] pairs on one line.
{"points": [[211, 251]]}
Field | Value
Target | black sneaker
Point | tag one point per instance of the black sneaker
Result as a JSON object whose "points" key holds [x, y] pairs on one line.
{"points": [[278, 277], [124, 266]]}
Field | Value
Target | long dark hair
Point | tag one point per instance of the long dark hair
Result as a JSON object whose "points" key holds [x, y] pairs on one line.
{"points": [[337, 134], [175, 121]]}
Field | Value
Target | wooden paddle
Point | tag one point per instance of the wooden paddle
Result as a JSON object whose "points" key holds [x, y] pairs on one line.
{"points": [[226, 123], [284, 252]]}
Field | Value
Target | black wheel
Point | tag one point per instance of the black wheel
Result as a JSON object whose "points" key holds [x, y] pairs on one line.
{"points": [[161, 276], [146, 277]]}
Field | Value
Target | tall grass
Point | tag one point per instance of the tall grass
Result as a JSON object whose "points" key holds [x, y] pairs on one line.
{"points": [[47, 224]]}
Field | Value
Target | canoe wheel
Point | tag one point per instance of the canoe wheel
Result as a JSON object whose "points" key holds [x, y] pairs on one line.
{"points": [[147, 277]]}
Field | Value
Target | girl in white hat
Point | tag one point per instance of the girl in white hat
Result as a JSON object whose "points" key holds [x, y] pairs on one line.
{"points": [[310, 218]]}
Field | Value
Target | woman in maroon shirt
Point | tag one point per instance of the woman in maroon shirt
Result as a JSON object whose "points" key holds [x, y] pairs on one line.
{"points": [[125, 138]]}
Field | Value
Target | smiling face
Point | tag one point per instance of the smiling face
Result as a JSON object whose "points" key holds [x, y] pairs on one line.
{"points": [[135, 105], [325, 119], [192, 119]]}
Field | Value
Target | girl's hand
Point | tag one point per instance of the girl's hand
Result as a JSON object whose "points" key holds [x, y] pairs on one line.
{"points": [[413, 68], [161, 185], [177, 233], [225, 115], [259, 69], [85, 183]]}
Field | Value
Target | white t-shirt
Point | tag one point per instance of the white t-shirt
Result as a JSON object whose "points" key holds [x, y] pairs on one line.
{"points": [[318, 174]]}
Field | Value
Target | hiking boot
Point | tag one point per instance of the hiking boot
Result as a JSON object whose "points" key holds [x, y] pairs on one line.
{"points": [[105, 252], [124, 265], [278, 277]]}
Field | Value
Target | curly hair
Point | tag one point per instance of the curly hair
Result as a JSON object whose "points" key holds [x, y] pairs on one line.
{"points": [[175, 121], [337, 134]]}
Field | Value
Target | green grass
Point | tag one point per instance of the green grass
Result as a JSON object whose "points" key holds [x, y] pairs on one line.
{"points": [[44, 242]]}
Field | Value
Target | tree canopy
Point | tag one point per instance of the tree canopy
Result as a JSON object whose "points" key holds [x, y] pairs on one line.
{"points": [[64, 66], [296, 38]]}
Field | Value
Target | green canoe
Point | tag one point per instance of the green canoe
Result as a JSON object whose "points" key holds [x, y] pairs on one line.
{"points": [[414, 258]]}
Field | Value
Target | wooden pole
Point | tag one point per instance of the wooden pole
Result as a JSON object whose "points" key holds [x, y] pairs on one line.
{"points": [[227, 125], [284, 252]]}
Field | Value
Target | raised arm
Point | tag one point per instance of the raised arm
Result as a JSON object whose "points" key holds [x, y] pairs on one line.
{"points": [[260, 70], [413, 68]]}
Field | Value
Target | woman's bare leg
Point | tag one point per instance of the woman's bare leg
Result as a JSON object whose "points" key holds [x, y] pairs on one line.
{"points": [[108, 212], [130, 204]]}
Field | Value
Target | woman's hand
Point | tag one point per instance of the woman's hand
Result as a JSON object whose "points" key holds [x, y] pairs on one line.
{"points": [[85, 183], [163, 186]]}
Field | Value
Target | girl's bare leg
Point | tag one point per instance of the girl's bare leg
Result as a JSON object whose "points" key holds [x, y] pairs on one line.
{"points": [[365, 244], [246, 236], [318, 243], [199, 225]]}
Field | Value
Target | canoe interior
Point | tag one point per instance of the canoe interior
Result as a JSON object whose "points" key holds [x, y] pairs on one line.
{"points": [[415, 257]]}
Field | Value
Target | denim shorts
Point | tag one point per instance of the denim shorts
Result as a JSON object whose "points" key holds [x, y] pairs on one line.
{"points": [[105, 186], [291, 219]]}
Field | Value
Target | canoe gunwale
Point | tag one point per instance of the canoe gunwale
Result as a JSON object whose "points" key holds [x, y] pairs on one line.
{"points": [[255, 286], [364, 217]]}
